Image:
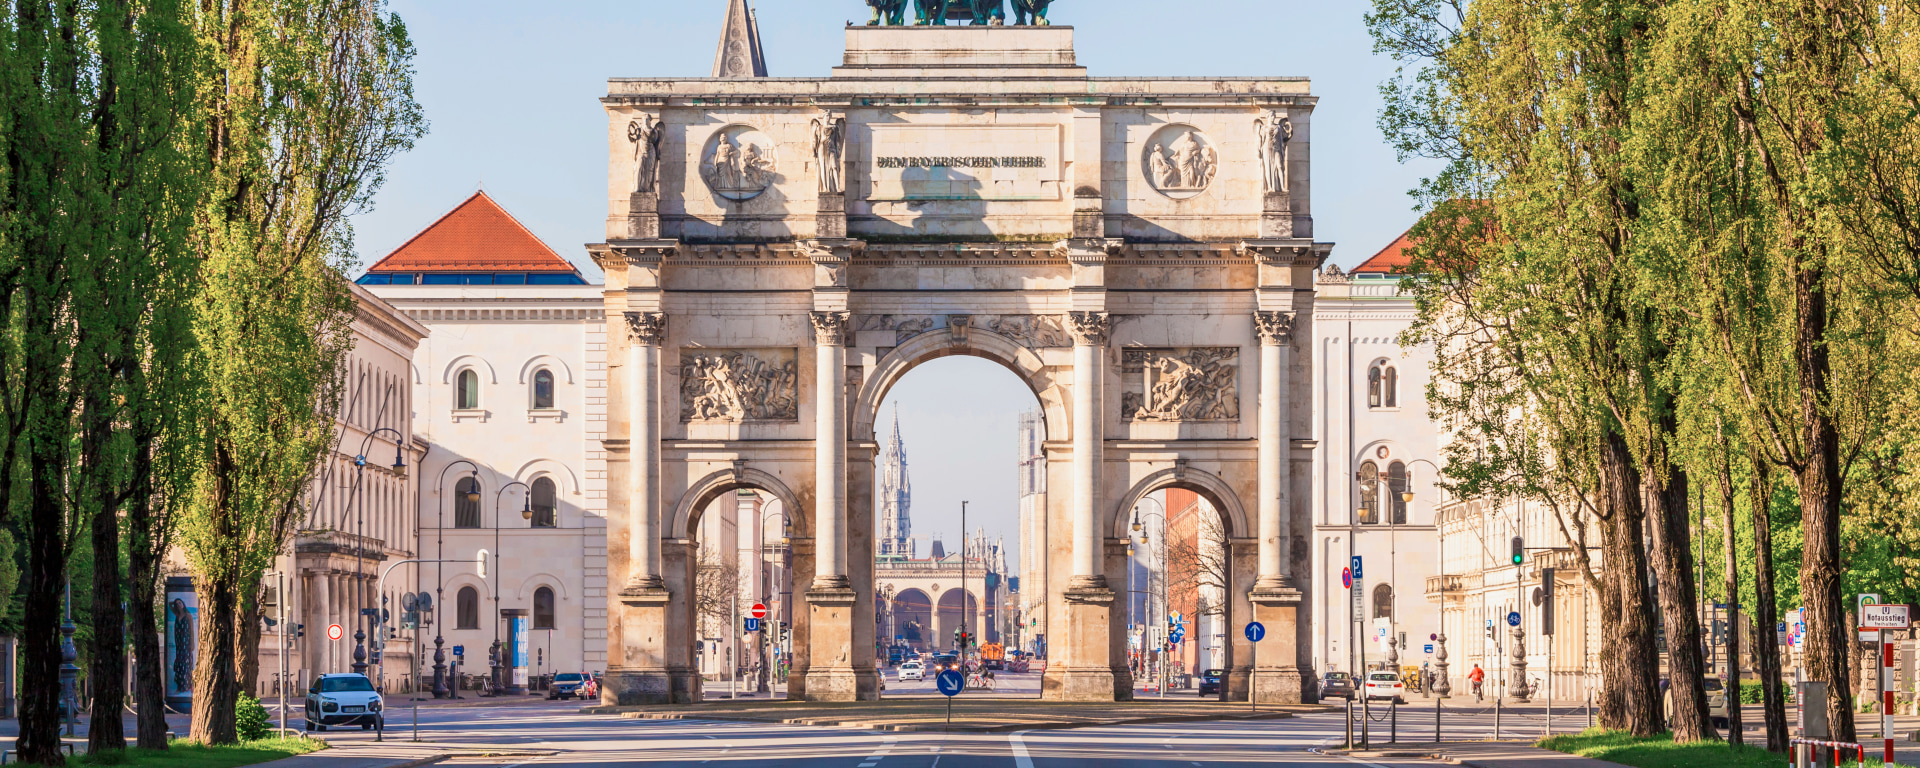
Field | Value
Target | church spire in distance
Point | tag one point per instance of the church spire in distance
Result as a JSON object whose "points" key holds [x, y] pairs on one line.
{"points": [[896, 498], [740, 54]]}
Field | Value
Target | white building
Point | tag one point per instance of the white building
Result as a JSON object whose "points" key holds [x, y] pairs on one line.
{"points": [[1032, 592], [509, 388], [1376, 442]]}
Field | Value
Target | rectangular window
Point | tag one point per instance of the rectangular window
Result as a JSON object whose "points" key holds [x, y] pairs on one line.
{"points": [[373, 279], [403, 279], [555, 279], [443, 279], [509, 279]]}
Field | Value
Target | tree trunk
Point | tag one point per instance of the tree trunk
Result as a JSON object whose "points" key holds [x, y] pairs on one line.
{"points": [[1673, 561], [1613, 697], [246, 650], [214, 674], [1766, 614], [1731, 560], [1636, 666], [107, 669], [149, 687], [1828, 636], [40, 590]]}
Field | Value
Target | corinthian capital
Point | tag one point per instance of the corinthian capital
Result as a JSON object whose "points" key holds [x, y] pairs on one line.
{"points": [[646, 328], [1089, 329], [1275, 328], [830, 328]]}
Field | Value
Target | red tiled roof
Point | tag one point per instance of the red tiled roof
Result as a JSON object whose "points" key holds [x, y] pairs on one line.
{"points": [[1391, 260], [476, 236]]}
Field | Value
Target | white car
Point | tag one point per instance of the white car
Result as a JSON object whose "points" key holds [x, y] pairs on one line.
{"points": [[912, 670], [344, 699], [1385, 685]]}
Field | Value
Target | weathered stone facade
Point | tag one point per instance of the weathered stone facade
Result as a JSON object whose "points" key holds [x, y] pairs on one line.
{"points": [[959, 191]]}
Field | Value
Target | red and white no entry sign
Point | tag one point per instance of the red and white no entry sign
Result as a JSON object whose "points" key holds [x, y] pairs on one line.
{"points": [[334, 632], [758, 611]]}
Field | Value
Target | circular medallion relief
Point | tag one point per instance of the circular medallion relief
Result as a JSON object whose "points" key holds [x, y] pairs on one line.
{"points": [[738, 163], [936, 588], [1180, 161], [1383, 451]]}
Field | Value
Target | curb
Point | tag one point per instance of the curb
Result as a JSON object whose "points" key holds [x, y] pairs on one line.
{"points": [[942, 728]]}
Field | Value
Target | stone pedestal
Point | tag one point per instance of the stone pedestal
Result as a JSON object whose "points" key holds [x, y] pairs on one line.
{"points": [[1276, 216], [1086, 670], [1278, 677], [647, 674], [833, 674], [831, 220], [643, 216]]}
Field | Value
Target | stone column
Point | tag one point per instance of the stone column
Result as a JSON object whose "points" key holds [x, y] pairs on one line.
{"points": [[1090, 331], [1089, 655], [832, 674], [1275, 479], [645, 331], [830, 450]]}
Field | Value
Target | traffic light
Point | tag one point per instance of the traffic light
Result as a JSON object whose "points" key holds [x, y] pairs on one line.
{"points": [[297, 630], [1489, 629], [1519, 550]]}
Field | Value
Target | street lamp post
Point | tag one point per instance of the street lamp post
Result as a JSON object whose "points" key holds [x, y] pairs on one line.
{"points": [[1162, 670], [368, 614], [499, 651], [1441, 686], [440, 689]]}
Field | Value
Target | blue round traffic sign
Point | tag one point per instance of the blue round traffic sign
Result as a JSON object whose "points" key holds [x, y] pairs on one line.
{"points": [[1255, 631], [1513, 619], [951, 682]]}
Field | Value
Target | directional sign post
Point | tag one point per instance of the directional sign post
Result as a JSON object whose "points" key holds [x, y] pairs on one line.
{"points": [[1255, 631], [951, 683]]}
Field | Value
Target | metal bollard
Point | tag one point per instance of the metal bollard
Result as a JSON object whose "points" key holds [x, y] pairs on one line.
{"points": [[1349, 722], [1393, 721], [1437, 704]]}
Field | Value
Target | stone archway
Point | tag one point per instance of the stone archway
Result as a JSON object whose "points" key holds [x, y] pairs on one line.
{"points": [[1154, 314]]}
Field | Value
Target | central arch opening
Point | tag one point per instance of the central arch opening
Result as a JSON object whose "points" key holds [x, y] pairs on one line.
{"points": [[959, 484]]}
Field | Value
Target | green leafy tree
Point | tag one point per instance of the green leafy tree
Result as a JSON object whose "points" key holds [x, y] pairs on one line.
{"points": [[305, 102]]}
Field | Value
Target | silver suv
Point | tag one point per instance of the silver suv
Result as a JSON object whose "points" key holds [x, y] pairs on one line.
{"points": [[343, 699]]}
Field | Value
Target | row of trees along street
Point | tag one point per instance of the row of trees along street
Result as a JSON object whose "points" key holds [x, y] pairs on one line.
{"points": [[173, 236], [1671, 269]]}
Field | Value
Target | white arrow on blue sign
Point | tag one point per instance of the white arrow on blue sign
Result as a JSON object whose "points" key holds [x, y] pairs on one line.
{"points": [[1356, 568], [1255, 631], [951, 682]]}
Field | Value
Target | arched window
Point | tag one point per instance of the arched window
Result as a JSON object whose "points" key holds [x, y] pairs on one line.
{"points": [[468, 615], [1369, 477], [1373, 387], [543, 503], [467, 394], [543, 608], [543, 388], [466, 503], [1392, 387], [1383, 602], [1396, 485]]}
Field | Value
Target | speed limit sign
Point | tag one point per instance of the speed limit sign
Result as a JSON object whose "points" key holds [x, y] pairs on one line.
{"points": [[334, 632]]}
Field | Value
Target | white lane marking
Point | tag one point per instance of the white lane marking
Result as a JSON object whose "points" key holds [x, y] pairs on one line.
{"points": [[1020, 758], [528, 762], [1355, 760]]}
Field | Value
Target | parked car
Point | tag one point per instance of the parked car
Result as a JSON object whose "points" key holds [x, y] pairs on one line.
{"points": [[912, 670], [1716, 700], [343, 699], [1382, 684], [1336, 684], [567, 685], [1210, 681]]}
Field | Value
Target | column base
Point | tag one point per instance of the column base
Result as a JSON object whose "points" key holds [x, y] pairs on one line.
{"points": [[1087, 671], [646, 587], [834, 673], [1239, 681], [1278, 677], [1279, 587], [633, 687]]}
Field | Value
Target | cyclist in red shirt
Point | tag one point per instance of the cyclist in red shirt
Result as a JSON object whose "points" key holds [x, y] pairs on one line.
{"points": [[1477, 675]]}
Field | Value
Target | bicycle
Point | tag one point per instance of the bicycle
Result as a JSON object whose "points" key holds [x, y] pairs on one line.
{"points": [[1477, 694]]}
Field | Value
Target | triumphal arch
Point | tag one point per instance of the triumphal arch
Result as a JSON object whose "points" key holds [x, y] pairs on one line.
{"points": [[1139, 251]]}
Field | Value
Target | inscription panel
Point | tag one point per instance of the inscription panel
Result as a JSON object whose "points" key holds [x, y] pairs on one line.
{"points": [[963, 162]]}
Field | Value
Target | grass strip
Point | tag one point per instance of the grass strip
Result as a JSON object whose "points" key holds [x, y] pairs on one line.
{"points": [[187, 754], [1659, 751]]}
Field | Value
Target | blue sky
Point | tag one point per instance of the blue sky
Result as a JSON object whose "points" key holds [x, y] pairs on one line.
{"points": [[512, 92]]}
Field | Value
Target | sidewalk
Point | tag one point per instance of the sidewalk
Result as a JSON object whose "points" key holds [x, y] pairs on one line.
{"points": [[1482, 754]]}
